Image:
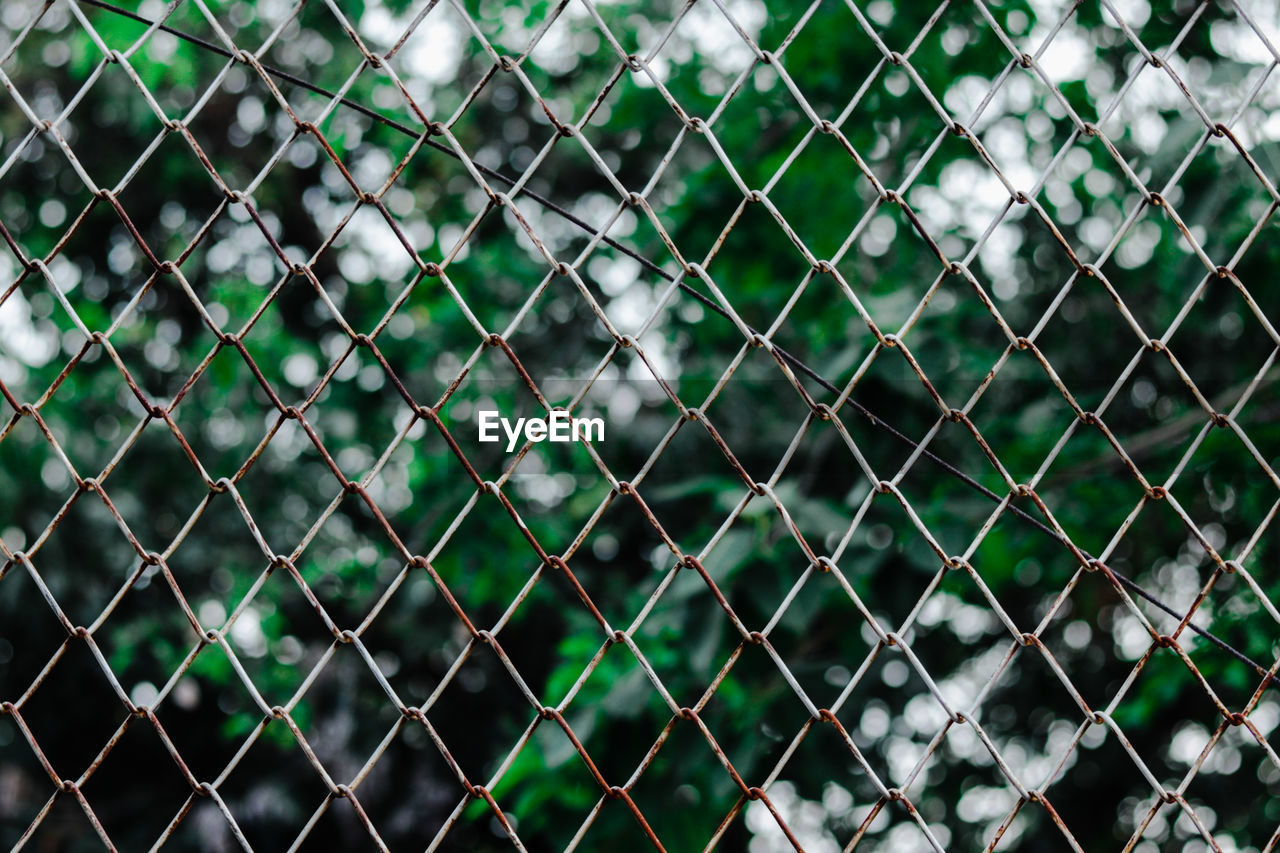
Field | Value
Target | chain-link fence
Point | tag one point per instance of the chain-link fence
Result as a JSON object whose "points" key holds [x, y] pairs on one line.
{"points": [[934, 353]]}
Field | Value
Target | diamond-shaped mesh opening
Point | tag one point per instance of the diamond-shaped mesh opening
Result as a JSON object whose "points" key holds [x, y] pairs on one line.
{"points": [[102, 713], [137, 775], [261, 815], [64, 817]]}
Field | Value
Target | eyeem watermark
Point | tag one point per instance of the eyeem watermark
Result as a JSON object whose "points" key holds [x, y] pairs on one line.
{"points": [[559, 426]]}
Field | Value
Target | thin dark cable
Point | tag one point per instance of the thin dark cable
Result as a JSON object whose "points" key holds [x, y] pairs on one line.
{"points": [[652, 267], [408, 131]]}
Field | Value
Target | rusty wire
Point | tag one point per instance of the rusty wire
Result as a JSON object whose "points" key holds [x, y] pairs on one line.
{"points": [[794, 362], [892, 639]]}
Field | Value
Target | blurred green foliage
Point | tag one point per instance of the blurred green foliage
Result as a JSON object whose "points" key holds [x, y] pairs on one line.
{"points": [[370, 284]]}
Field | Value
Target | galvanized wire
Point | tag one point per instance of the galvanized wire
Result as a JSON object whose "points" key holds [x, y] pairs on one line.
{"points": [[695, 281]]}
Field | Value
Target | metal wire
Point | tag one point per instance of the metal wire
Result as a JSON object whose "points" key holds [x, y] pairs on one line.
{"points": [[707, 302], [890, 640]]}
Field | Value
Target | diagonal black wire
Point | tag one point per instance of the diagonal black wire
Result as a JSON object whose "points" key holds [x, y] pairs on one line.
{"points": [[649, 265]]}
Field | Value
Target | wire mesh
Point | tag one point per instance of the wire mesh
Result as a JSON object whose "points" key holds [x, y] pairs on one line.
{"points": [[818, 556]]}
